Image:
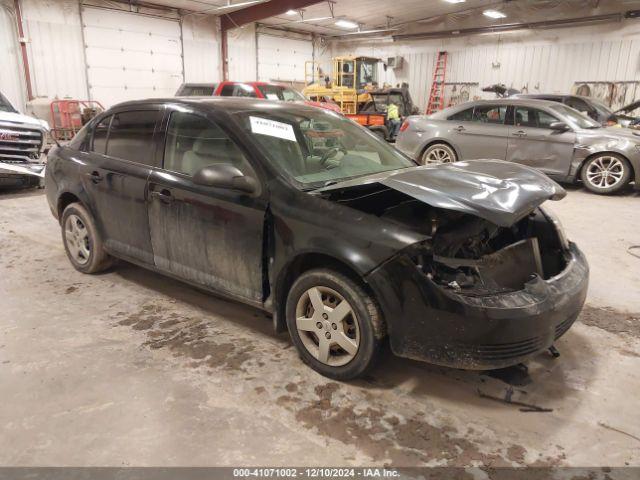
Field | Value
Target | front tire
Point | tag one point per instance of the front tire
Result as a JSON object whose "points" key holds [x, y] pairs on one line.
{"points": [[606, 173], [334, 323], [81, 240], [438, 153]]}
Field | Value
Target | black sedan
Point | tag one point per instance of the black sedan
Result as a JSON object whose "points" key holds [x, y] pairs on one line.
{"points": [[305, 214]]}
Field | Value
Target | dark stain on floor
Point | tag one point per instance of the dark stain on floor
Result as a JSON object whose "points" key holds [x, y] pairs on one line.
{"points": [[383, 435], [611, 320], [189, 337]]}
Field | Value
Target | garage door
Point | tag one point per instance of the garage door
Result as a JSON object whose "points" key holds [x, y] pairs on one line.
{"points": [[281, 58], [131, 56]]}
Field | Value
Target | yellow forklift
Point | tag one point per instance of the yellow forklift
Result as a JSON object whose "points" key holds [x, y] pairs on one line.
{"points": [[352, 80], [355, 90]]}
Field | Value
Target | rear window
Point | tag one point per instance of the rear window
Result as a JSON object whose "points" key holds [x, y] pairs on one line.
{"points": [[131, 136], [462, 116], [490, 113], [196, 90]]}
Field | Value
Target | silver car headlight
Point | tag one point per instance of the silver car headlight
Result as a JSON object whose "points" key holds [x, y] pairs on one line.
{"points": [[553, 218]]}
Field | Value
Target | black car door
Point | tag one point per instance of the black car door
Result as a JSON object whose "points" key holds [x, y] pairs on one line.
{"points": [[122, 153], [206, 235]]}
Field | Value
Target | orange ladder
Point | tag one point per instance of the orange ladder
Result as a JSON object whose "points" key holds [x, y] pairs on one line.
{"points": [[436, 97]]}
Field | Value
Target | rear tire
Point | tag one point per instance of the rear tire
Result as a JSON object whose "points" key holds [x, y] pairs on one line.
{"points": [[341, 338], [81, 240], [606, 173], [438, 153]]}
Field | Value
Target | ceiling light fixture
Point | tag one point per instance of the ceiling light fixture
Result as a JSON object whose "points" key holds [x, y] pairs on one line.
{"points": [[316, 19], [291, 12], [455, 1], [493, 14], [241, 4], [346, 24]]}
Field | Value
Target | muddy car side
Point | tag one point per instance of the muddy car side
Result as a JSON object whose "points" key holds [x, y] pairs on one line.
{"points": [[340, 267]]}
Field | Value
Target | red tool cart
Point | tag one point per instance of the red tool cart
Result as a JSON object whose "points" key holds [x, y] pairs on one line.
{"points": [[68, 116]]}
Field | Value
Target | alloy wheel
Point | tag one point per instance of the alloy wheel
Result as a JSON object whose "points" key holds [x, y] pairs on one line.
{"points": [[77, 239], [605, 172], [327, 326], [436, 156]]}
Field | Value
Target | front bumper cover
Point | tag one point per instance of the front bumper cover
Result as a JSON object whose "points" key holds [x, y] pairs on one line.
{"points": [[428, 322]]}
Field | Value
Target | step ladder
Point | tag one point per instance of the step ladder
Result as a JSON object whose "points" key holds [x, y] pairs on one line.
{"points": [[436, 97]]}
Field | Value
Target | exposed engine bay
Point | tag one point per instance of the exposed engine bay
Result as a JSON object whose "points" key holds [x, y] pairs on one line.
{"points": [[463, 252]]}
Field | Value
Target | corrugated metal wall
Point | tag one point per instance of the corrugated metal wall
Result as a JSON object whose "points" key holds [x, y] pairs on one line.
{"points": [[549, 61], [11, 83], [55, 48], [56, 52], [242, 53], [201, 49]]}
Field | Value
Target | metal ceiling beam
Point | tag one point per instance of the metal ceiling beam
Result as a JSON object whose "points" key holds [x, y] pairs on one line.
{"points": [[252, 14], [261, 11]]}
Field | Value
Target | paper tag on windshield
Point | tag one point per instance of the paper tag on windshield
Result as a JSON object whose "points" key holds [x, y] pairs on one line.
{"points": [[264, 126], [272, 96]]}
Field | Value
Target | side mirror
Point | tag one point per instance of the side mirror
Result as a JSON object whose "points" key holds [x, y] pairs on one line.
{"points": [[559, 126], [223, 175]]}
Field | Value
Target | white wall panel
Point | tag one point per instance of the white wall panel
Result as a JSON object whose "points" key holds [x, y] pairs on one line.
{"points": [[282, 58], [548, 61], [131, 56], [11, 77], [242, 53], [201, 49], [54, 47]]}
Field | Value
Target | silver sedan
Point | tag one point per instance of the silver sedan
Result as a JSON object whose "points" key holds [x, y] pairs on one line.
{"points": [[556, 139]]}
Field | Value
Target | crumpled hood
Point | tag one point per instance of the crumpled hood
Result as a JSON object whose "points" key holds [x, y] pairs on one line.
{"points": [[498, 191]]}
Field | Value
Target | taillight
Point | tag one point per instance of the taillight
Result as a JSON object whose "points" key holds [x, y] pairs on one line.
{"points": [[404, 125]]}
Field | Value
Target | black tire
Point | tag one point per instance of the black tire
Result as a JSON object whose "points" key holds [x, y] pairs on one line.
{"points": [[617, 164], [97, 259], [364, 311], [431, 150]]}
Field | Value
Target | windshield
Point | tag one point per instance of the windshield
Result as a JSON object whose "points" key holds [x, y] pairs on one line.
{"points": [[319, 147], [602, 109], [5, 105], [575, 117], [277, 92]]}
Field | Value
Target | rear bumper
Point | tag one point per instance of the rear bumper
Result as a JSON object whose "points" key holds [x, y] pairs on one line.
{"points": [[434, 324]]}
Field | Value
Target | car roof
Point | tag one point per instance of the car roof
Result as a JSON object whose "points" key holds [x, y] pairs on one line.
{"points": [[551, 95], [228, 104], [510, 101], [256, 84]]}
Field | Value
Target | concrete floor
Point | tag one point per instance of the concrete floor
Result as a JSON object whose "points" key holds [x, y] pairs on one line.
{"points": [[131, 368]]}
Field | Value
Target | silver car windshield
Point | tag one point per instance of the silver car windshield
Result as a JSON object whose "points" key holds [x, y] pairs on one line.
{"points": [[576, 118], [319, 147]]}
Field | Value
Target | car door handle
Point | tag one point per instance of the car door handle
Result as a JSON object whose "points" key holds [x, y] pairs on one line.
{"points": [[95, 177], [163, 195], [519, 133], [460, 129]]}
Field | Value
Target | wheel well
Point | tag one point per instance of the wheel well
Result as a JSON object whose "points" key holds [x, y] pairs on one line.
{"points": [[304, 263], [579, 172], [64, 201], [433, 142]]}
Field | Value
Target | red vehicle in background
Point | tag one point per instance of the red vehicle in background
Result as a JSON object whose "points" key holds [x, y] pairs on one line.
{"points": [[266, 90]]}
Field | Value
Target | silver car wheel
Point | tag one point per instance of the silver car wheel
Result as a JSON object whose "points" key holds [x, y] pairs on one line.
{"points": [[438, 154], [327, 326], [76, 237], [605, 172]]}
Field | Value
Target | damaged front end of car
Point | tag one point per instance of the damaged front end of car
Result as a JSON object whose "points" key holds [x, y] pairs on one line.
{"points": [[495, 280]]}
